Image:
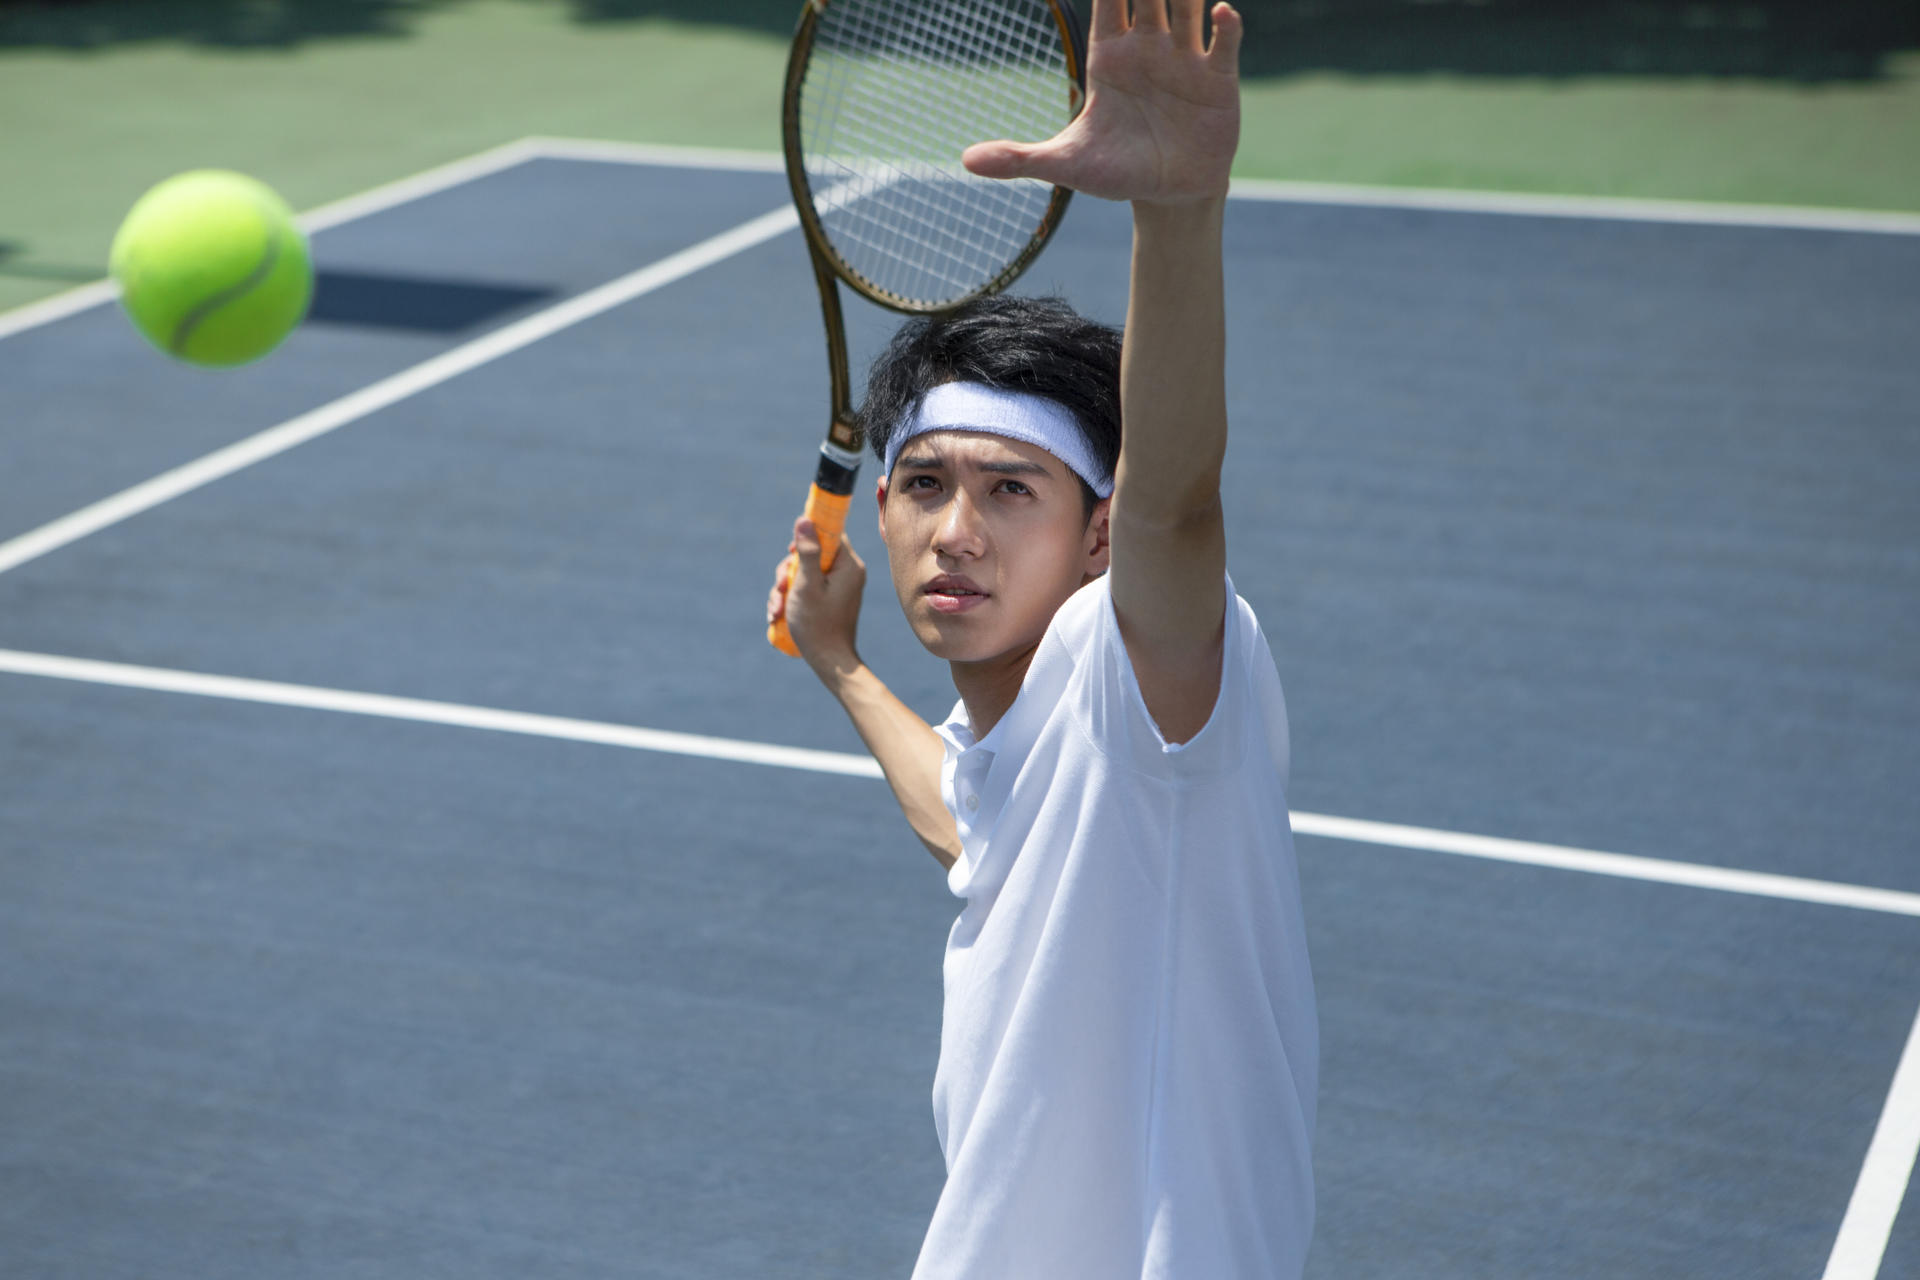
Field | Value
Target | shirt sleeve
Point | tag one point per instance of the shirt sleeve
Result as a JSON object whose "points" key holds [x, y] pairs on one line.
{"points": [[1116, 719]]}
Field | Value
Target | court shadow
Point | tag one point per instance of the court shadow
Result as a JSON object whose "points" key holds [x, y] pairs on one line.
{"points": [[1802, 41], [11, 266], [1798, 41], [371, 301], [92, 24]]}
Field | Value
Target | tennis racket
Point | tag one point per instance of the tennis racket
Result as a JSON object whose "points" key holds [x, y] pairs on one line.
{"points": [[882, 96]]}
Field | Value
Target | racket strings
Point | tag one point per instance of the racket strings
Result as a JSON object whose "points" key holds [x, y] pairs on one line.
{"points": [[893, 91]]}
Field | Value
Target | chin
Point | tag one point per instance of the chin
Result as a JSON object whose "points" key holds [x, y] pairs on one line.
{"points": [[969, 641], [949, 643]]}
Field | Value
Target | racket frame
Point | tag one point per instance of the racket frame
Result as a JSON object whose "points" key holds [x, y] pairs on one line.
{"points": [[840, 454]]}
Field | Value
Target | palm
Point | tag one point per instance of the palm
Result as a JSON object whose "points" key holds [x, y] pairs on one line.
{"points": [[1162, 117]]}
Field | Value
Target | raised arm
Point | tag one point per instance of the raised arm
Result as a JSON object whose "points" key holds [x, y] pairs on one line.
{"points": [[1160, 128]]}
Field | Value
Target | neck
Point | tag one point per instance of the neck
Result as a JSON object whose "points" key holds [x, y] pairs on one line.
{"points": [[989, 687]]}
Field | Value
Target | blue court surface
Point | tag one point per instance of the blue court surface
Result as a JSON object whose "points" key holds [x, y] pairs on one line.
{"points": [[416, 863]]}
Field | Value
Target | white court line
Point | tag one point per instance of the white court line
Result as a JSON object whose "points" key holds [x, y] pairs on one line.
{"points": [[58, 307], [1875, 1204], [1604, 208], [650, 153], [1444, 199], [428, 182], [1610, 208], [1694, 875], [447, 713], [1890, 1159], [425, 183], [1863, 1236], [429, 373], [1884, 1176]]}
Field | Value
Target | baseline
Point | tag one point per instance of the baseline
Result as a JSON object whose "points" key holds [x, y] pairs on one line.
{"points": [[425, 183], [1440, 199]]}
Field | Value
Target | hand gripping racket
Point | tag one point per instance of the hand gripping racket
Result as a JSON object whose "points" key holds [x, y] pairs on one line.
{"points": [[882, 97]]}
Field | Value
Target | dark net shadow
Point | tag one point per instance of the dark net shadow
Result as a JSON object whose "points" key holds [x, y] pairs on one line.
{"points": [[18, 263], [92, 24], [405, 302]]}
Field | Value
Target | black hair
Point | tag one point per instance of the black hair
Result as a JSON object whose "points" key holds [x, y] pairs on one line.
{"points": [[1040, 346]]}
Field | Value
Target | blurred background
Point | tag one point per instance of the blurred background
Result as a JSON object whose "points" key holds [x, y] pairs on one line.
{"points": [[1811, 102]]}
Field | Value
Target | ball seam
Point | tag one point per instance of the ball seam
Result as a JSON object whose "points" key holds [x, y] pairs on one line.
{"points": [[208, 305]]}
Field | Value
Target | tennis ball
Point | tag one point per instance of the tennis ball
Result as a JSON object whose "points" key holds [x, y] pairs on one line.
{"points": [[212, 268]]}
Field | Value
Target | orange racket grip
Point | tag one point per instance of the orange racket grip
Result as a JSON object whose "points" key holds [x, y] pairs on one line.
{"points": [[828, 511]]}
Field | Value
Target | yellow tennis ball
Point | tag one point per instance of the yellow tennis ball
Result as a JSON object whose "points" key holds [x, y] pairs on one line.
{"points": [[212, 268]]}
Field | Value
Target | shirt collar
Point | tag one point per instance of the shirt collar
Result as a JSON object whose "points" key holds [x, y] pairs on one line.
{"points": [[957, 732]]}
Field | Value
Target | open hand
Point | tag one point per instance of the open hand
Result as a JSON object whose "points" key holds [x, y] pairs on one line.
{"points": [[1163, 111]]}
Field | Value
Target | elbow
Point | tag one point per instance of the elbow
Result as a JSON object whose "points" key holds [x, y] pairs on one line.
{"points": [[1175, 514], [1170, 495]]}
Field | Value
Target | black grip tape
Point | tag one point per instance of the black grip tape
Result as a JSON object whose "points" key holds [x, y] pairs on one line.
{"points": [[833, 477]]}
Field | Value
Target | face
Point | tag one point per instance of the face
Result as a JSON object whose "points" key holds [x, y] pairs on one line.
{"points": [[986, 538]]}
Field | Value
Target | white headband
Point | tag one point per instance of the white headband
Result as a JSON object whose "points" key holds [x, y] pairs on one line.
{"points": [[1030, 419]]}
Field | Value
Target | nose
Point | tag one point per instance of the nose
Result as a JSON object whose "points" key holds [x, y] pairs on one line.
{"points": [[959, 532]]}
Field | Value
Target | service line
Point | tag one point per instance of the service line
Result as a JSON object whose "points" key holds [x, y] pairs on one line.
{"points": [[1426, 839]]}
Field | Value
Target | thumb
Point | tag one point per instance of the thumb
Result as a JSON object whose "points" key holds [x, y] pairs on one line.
{"points": [[1000, 159], [806, 544]]}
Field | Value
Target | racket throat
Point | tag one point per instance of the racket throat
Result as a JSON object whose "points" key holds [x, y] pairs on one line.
{"points": [[839, 467]]}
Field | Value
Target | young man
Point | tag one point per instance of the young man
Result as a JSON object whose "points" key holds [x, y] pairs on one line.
{"points": [[1129, 1051]]}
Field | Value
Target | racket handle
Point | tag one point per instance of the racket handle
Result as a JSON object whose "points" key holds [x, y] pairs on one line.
{"points": [[828, 511]]}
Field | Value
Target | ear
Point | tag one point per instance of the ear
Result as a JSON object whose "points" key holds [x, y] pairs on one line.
{"points": [[1099, 554], [880, 501]]}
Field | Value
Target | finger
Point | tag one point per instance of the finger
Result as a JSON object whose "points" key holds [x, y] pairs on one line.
{"points": [[1050, 161], [811, 575], [998, 159], [1186, 24], [844, 555], [1109, 18], [1224, 54], [1149, 15]]}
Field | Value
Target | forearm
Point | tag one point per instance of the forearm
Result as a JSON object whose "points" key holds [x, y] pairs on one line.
{"points": [[909, 751], [1168, 532], [1173, 365]]}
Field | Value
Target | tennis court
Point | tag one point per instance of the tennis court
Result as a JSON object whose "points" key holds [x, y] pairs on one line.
{"points": [[418, 864]]}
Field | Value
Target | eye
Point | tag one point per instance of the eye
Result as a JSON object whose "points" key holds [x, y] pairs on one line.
{"points": [[1017, 488], [918, 482]]}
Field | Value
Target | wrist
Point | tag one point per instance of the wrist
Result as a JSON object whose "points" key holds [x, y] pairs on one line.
{"points": [[838, 671], [1180, 218]]}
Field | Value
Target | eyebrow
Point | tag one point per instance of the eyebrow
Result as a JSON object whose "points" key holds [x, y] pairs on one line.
{"points": [[928, 462]]}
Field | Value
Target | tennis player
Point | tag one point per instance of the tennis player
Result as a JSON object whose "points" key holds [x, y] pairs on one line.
{"points": [[1129, 1047]]}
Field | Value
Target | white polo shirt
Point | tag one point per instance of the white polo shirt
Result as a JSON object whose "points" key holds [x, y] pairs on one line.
{"points": [[1129, 1050]]}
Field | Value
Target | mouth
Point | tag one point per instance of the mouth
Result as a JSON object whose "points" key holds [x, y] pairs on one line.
{"points": [[950, 593]]}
